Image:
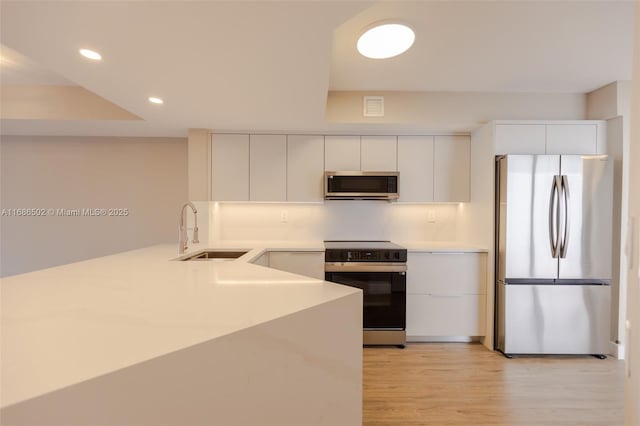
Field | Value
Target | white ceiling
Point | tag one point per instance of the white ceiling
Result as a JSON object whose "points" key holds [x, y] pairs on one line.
{"points": [[268, 65], [17, 69]]}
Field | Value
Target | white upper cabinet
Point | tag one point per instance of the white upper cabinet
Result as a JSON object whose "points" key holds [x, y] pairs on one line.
{"points": [[378, 153], [415, 164], [268, 168], [229, 167], [520, 139], [580, 137], [572, 139], [291, 167], [305, 166], [341, 153], [451, 168]]}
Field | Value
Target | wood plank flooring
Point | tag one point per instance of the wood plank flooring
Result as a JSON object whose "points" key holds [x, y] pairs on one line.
{"points": [[466, 384]]}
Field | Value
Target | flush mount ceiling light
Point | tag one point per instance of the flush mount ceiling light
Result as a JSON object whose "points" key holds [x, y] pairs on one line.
{"points": [[385, 41], [95, 56], [155, 100]]}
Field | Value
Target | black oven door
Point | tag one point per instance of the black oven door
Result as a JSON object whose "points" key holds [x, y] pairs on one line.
{"points": [[384, 297]]}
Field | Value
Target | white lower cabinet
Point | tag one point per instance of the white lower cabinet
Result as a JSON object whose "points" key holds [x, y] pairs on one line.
{"points": [[431, 315], [446, 295], [262, 260], [307, 263]]}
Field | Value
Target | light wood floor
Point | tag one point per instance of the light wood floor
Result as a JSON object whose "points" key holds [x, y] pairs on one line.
{"points": [[466, 384]]}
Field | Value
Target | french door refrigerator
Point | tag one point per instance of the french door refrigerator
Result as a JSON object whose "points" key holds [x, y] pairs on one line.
{"points": [[553, 254]]}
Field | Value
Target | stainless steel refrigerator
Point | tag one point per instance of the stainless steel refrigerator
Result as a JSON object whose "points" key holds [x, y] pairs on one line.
{"points": [[553, 254]]}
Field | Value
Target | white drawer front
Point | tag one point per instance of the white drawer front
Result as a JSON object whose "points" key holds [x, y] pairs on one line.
{"points": [[446, 273], [444, 315]]}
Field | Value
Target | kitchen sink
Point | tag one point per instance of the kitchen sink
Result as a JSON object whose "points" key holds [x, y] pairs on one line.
{"points": [[216, 255]]}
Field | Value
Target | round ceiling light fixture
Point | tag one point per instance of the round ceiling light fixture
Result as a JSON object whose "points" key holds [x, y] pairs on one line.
{"points": [[90, 54], [385, 41], [155, 100]]}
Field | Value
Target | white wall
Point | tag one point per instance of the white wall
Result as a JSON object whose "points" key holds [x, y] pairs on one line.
{"points": [[476, 219], [612, 103], [340, 220], [632, 383], [148, 176], [451, 111]]}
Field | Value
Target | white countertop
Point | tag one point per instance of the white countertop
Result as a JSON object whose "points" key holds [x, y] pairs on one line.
{"points": [[441, 246], [70, 323]]}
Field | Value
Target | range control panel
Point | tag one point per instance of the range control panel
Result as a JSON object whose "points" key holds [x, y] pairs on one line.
{"points": [[340, 255]]}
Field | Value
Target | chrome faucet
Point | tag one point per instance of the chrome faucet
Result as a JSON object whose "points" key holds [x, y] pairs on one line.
{"points": [[182, 228]]}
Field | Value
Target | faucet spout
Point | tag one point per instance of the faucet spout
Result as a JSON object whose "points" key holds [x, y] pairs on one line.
{"points": [[182, 228]]}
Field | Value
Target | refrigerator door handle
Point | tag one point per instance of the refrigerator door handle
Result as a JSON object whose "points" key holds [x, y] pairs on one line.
{"points": [[554, 216], [566, 225]]}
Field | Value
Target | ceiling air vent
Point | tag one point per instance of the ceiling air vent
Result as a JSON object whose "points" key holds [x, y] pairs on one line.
{"points": [[374, 106]]}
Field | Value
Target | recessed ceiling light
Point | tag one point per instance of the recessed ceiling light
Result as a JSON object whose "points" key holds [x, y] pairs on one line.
{"points": [[155, 100], [91, 54], [385, 41]]}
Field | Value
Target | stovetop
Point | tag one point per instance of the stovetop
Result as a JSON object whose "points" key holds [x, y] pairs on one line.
{"points": [[361, 245]]}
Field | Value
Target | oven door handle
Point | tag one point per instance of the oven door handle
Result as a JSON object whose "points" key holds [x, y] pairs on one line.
{"points": [[364, 267]]}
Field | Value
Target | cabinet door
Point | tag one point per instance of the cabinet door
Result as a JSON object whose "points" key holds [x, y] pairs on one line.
{"points": [[341, 153], [262, 260], [445, 315], [378, 153], [446, 273], [415, 164], [305, 166], [520, 139], [307, 263], [572, 139], [451, 168], [229, 167], [268, 168]]}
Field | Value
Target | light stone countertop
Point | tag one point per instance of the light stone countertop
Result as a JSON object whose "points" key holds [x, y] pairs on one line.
{"points": [[71, 323], [441, 246]]}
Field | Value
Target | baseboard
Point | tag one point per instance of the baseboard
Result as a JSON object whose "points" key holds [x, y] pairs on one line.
{"points": [[616, 350], [442, 339]]}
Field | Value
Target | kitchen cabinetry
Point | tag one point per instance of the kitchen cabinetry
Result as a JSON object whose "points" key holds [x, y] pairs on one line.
{"points": [[446, 295], [268, 168], [451, 168], [305, 165], [262, 260], [378, 153], [572, 139], [341, 153], [229, 167], [307, 263], [587, 137], [415, 164], [290, 167], [366, 153], [434, 169]]}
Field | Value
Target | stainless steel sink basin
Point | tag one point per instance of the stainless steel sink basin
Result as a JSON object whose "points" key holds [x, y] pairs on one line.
{"points": [[217, 255]]}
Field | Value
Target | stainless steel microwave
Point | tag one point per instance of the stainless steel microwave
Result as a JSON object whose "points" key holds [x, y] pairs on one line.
{"points": [[354, 185]]}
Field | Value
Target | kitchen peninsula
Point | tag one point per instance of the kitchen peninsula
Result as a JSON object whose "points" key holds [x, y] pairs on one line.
{"points": [[138, 338]]}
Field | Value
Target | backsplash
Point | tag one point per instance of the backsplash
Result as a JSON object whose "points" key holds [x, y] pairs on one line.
{"points": [[366, 220]]}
